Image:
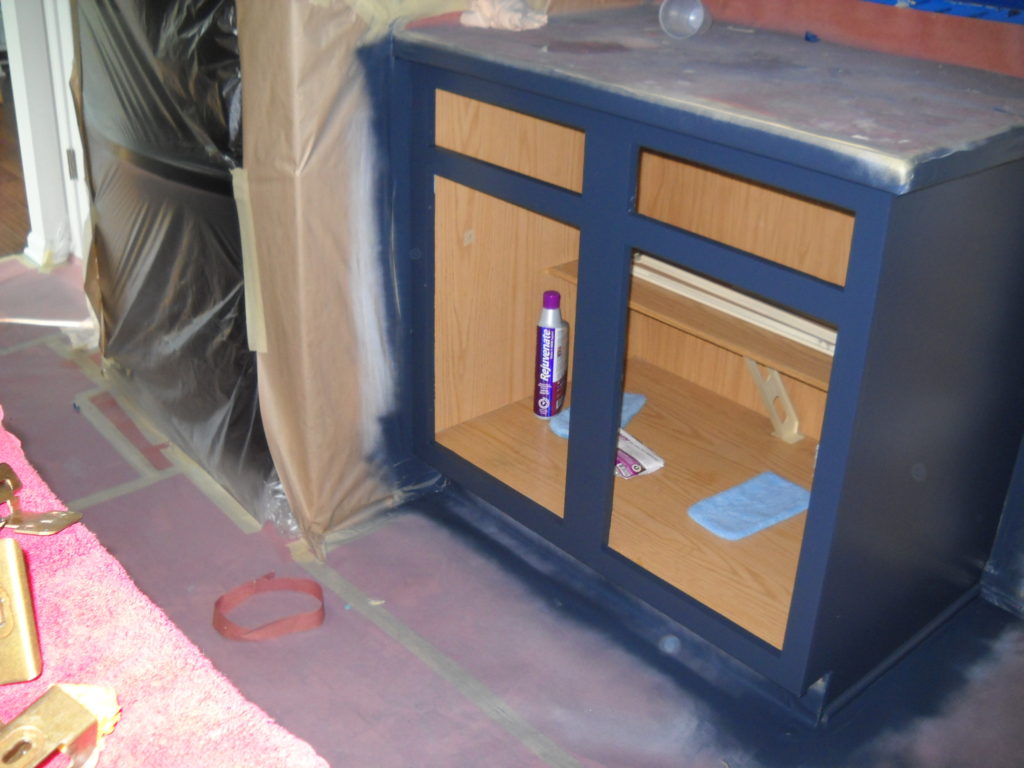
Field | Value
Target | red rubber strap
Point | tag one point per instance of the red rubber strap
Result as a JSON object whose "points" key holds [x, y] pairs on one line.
{"points": [[299, 622]]}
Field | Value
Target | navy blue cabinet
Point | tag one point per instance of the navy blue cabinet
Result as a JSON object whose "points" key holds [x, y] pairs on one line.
{"points": [[807, 258]]}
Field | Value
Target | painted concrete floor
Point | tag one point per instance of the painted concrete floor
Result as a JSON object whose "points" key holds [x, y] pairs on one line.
{"points": [[441, 649]]}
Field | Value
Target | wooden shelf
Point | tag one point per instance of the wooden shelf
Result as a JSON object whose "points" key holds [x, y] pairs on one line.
{"points": [[709, 444], [518, 449], [811, 366]]}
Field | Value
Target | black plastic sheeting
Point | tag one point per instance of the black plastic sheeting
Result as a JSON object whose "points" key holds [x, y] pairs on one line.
{"points": [[161, 103], [163, 78]]}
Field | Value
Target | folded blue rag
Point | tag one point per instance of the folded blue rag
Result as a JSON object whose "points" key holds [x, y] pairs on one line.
{"points": [[631, 405], [750, 507]]}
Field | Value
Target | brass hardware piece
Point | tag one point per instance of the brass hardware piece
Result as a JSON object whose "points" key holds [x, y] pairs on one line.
{"points": [[37, 523], [70, 718], [19, 643]]}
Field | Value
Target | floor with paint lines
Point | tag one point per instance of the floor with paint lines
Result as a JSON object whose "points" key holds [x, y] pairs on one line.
{"points": [[439, 648]]}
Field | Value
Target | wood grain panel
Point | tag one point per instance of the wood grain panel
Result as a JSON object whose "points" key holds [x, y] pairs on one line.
{"points": [[709, 444], [719, 370], [518, 449], [799, 233], [544, 150], [490, 262]]}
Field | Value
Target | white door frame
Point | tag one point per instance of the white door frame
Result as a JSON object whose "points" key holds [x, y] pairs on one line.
{"points": [[40, 49]]}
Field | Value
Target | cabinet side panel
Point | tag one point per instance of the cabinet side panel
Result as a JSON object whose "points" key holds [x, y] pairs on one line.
{"points": [[798, 233], [1004, 575], [513, 140], [490, 262], [937, 426], [718, 370]]}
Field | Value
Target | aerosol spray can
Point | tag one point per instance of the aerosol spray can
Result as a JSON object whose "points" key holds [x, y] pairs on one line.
{"points": [[552, 358]]}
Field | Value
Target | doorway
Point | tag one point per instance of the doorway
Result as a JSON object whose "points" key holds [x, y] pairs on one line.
{"points": [[14, 224], [40, 48]]}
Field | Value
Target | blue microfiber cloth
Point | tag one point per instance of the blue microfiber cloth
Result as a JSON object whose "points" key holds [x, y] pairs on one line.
{"points": [[750, 507], [631, 405]]}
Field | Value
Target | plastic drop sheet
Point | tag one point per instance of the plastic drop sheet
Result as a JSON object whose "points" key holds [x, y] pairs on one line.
{"points": [[330, 288], [161, 111], [308, 281], [315, 181]]}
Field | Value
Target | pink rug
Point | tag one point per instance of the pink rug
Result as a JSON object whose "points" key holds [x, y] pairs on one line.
{"points": [[97, 628]]}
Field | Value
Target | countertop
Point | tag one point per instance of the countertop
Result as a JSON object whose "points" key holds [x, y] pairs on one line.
{"points": [[886, 121]]}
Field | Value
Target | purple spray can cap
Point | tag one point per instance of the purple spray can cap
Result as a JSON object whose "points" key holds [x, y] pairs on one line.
{"points": [[552, 299]]}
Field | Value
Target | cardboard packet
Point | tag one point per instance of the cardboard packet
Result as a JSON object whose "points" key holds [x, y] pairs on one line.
{"points": [[633, 458]]}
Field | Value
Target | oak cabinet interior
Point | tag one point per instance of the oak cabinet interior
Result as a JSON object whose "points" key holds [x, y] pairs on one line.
{"points": [[704, 414]]}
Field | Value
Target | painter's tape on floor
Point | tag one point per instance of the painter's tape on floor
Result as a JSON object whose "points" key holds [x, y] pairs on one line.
{"points": [[485, 699]]}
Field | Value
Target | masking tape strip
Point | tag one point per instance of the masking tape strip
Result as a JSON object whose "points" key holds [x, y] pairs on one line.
{"points": [[475, 691], [117, 439], [116, 491], [39, 341], [181, 463], [107, 404], [89, 362], [255, 321]]}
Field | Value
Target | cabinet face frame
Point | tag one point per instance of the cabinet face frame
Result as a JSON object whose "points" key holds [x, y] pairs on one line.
{"points": [[604, 214]]}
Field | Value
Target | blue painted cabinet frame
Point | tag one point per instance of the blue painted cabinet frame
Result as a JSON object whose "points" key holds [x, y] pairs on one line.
{"points": [[923, 415]]}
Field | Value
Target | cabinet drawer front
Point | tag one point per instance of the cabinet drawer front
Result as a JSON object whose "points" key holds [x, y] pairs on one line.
{"points": [[528, 145], [790, 230]]}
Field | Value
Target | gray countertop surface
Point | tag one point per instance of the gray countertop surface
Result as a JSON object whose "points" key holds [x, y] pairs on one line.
{"points": [[882, 120]]}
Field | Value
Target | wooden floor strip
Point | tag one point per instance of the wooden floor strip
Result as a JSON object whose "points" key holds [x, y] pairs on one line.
{"points": [[14, 221]]}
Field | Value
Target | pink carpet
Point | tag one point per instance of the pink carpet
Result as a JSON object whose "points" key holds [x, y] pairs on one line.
{"points": [[97, 628]]}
